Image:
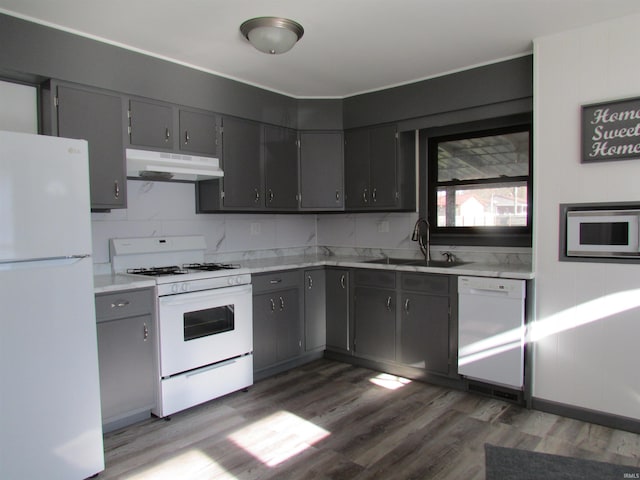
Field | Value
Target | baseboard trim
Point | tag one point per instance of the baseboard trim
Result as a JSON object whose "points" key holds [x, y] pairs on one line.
{"points": [[592, 416]]}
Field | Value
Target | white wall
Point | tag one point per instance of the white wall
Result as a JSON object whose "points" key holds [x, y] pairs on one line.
{"points": [[592, 359], [19, 112]]}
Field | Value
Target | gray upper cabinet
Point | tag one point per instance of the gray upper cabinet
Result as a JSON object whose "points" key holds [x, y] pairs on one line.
{"points": [[97, 117], [260, 164], [199, 132], [379, 169], [356, 169], [151, 124], [242, 182], [383, 171], [321, 171], [280, 156]]}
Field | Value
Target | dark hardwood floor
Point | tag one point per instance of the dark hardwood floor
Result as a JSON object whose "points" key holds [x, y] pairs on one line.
{"points": [[329, 420]]}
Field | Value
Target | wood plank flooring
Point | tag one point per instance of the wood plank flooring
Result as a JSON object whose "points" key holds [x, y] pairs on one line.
{"points": [[330, 420]]}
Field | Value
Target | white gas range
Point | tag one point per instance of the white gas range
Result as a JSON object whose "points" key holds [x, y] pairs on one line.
{"points": [[205, 318]]}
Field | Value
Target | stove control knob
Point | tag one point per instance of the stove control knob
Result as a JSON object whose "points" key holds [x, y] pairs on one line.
{"points": [[185, 287], [174, 288], [230, 280]]}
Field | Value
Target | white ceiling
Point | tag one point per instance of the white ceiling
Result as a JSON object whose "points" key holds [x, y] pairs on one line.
{"points": [[349, 46]]}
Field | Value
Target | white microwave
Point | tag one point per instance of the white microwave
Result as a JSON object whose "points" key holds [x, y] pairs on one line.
{"points": [[603, 233]]}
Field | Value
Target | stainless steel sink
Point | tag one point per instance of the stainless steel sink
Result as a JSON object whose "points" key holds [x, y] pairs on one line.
{"points": [[417, 262]]}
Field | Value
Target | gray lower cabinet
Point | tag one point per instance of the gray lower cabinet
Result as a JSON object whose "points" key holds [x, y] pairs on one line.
{"points": [[321, 170], [125, 327], [425, 322], [375, 314], [314, 309], [96, 116], [338, 331], [277, 319]]}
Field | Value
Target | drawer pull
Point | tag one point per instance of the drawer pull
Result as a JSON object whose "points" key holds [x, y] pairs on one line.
{"points": [[275, 281], [120, 304]]}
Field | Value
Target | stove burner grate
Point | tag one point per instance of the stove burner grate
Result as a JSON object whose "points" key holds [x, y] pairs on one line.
{"points": [[158, 271], [210, 267]]}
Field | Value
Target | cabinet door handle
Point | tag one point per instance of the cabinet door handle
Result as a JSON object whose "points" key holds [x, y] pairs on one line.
{"points": [[186, 137], [273, 305], [145, 332], [120, 304], [365, 195], [374, 195], [116, 189], [257, 197], [337, 195], [270, 195], [406, 305], [342, 281], [281, 303], [309, 282], [167, 134], [388, 303]]}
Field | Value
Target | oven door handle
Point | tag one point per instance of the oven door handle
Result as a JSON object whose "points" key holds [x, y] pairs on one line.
{"points": [[188, 298]]}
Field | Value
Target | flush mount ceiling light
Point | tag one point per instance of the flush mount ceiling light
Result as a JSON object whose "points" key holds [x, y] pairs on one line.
{"points": [[272, 34]]}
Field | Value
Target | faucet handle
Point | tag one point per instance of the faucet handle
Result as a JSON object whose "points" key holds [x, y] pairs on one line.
{"points": [[450, 257]]}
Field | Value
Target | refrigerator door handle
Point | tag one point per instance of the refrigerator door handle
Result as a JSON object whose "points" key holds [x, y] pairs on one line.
{"points": [[41, 262]]}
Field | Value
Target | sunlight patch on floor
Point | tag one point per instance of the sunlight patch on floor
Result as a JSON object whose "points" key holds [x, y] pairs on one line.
{"points": [[278, 437], [390, 382], [184, 465]]}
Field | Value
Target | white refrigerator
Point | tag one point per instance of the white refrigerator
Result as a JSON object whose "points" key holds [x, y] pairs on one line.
{"points": [[50, 421]]}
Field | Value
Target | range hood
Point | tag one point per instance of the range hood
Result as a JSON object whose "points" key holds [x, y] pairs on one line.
{"points": [[151, 165]]}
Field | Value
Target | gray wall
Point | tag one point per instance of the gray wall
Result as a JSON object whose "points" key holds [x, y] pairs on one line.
{"points": [[35, 52], [42, 52], [485, 89]]}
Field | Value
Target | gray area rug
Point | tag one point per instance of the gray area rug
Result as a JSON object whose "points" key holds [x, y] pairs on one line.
{"points": [[513, 464]]}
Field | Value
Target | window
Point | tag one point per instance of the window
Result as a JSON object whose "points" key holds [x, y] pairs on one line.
{"points": [[479, 189]]}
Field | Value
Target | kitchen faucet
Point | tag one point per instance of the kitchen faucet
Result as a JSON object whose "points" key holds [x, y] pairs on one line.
{"points": [[423, 240]]}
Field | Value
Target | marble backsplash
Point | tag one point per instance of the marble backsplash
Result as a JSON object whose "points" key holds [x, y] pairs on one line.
{"points": [[165, 208]]}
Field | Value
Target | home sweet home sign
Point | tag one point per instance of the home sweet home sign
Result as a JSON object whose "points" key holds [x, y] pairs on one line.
{"points": [[611, 131]]}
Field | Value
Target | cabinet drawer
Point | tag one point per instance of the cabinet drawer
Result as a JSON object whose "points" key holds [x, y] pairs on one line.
{"points": [[425, 283], [130, 303], [268, 282], [376, 278]]}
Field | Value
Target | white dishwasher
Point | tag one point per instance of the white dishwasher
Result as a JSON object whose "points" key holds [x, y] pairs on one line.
{"points": [[491, 330]]}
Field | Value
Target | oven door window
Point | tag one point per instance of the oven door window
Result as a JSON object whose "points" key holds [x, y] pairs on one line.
{"points": [[211, 321]]}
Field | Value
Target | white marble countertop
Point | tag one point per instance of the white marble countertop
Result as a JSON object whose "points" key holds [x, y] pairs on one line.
{"points": [[105, 283], [112, 283], [516, 271]]}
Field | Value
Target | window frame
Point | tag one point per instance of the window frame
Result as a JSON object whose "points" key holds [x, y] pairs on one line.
{"points": [[482, 236]]}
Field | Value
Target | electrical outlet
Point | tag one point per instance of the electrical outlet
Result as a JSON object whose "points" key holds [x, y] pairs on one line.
{"points": [[383, 227], [255, 228]]}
